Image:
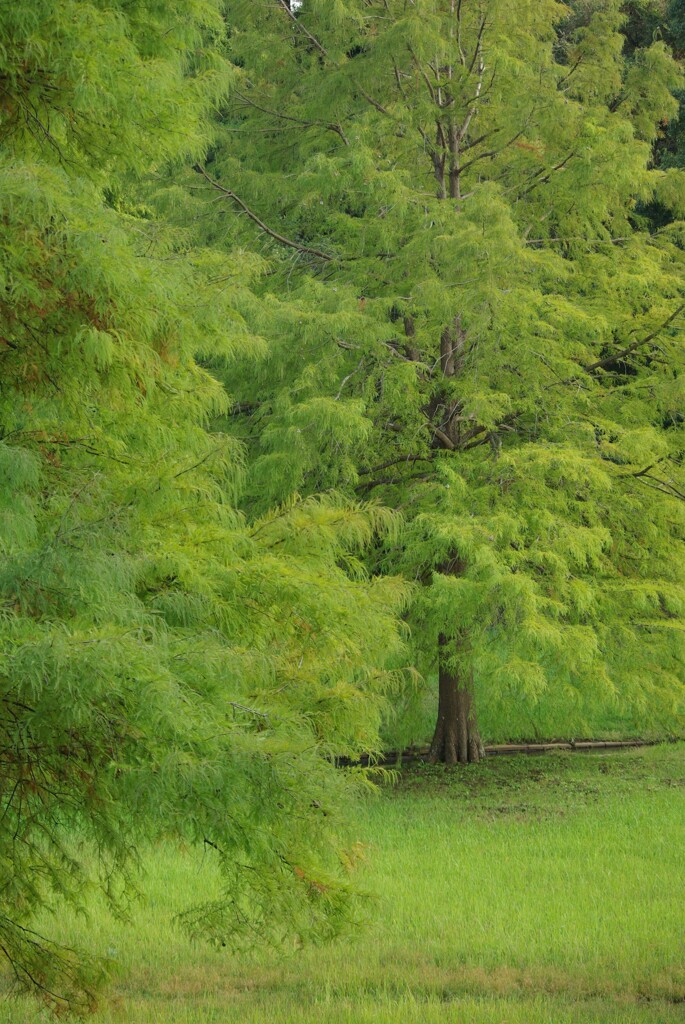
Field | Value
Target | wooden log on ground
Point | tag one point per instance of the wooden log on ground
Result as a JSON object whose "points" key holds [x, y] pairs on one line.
{"points": [[395, 758]]}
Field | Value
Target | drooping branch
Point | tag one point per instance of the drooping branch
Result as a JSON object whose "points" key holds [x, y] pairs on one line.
{"points": [[229, 194]]}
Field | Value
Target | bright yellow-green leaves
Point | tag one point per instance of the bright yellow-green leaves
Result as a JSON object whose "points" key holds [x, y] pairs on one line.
{"points": [[166, 667], [488, 181], [97, 85]]}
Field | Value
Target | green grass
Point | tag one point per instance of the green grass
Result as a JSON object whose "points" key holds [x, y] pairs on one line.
{"points": [[526, 890]]}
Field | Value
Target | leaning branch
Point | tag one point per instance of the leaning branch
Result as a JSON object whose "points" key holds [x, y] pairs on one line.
{"points": [[601, 364], [400, 460], [663, 486], [305, 249], [383, 481], [374, 103]]}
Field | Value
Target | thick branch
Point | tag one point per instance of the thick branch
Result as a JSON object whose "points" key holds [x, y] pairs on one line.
{"points": [[442, 436]]}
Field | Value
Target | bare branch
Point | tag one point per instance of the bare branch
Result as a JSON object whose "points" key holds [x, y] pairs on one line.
{"points": [[350, 375], [442, 436], [374, 103], [573, 69], [478, 46], [663, 486], [419, 68], [462, 56], [402, 459], [548, 175], [370, 484]]}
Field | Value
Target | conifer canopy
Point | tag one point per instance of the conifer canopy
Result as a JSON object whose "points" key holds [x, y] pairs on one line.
{"points": [[473, 316], [167, 668]]}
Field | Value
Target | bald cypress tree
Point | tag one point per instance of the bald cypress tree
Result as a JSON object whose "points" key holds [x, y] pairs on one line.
{"points": [[468, 320], [166, 668]]}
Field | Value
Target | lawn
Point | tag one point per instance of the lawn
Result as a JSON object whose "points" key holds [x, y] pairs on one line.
{"points": [[523, 890]]}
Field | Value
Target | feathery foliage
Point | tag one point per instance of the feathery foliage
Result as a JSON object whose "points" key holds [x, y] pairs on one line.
{"points": [[469, 316], [166, 668]]}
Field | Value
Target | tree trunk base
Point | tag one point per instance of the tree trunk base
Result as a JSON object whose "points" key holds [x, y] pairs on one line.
{"points": [[456, 739], [450, 746]]}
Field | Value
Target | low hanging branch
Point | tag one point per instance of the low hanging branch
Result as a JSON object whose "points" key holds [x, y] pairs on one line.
{"points": [[304, 249]]}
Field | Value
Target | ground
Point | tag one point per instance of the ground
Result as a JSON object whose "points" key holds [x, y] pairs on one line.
{"points": [[525, 890]]}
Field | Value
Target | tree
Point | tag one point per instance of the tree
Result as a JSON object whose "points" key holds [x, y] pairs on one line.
{"points": [[166, 668], [467, 319]]}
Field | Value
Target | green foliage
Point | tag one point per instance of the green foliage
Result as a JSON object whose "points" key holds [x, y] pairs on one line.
{"points": [[447, 859], [166, 668], [462, 182], [88, 84]]}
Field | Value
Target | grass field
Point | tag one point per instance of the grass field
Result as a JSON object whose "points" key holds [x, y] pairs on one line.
{"points": [[526, 890]]}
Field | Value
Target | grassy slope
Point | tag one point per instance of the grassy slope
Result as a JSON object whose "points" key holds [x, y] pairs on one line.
{"points": [[524, 890]]}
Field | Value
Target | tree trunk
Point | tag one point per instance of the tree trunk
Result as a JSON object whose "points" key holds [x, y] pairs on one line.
{"points": [[456, 739]]}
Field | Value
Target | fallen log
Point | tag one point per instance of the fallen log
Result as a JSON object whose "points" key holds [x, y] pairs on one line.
{"points": [[414, 754]]}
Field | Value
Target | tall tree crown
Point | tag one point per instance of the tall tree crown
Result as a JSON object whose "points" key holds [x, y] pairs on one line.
{"points": [[462, 272]]}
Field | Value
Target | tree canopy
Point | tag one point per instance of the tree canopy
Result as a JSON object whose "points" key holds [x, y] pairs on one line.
{"points": [[471, 316], [167, 667], [338, 340]]}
